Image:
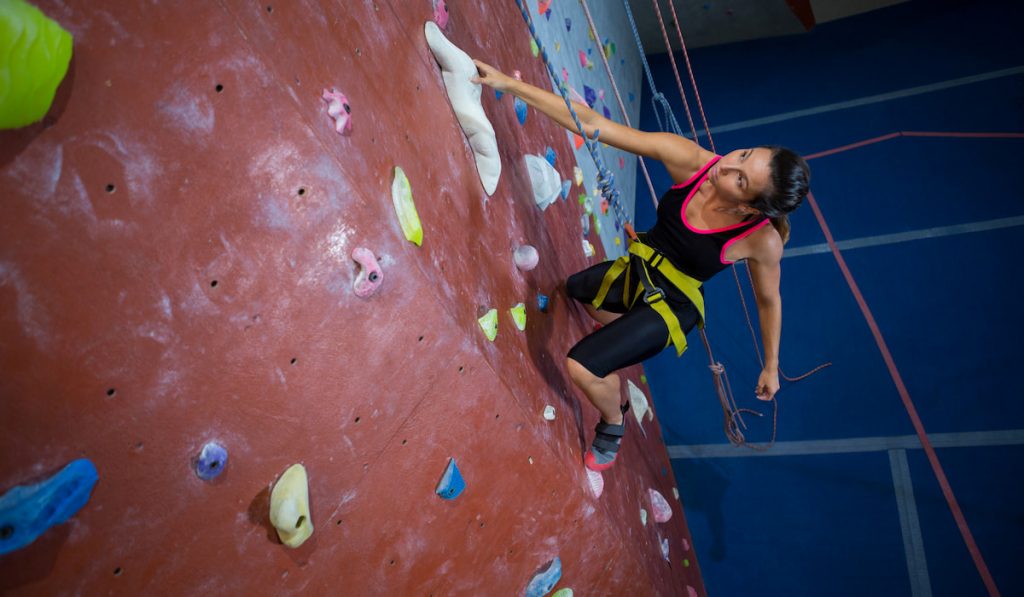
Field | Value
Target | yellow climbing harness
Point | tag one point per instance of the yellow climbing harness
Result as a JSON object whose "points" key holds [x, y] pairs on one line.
{"points": [[635, 263]]}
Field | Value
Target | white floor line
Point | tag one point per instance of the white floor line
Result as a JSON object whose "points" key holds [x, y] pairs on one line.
{"points": [[910, 524], [902, 237], [863, 101], [972, 439]]}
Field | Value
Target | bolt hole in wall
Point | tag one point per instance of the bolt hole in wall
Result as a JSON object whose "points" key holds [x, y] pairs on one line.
{"points": [[117, 571], [219, 88], [213, 284], [111, 188], [302, 191], [294, 360], [270, 8], [111, 392]]}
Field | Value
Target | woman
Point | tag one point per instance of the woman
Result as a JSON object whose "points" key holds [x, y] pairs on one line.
{"points": [[716, 214]]}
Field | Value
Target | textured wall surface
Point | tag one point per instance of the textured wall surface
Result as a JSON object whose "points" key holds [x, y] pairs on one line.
{"points": [[174, 269]]}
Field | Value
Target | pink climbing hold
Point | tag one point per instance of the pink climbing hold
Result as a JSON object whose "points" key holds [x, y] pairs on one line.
{"points": [[518, 76], [622, 162], [596, 482], [441, 13], [543, 6], [686, 544], [565, 75], [583, 59], [662, 511], [370, 275], [690, 591], [600, 94], [339, 110]]}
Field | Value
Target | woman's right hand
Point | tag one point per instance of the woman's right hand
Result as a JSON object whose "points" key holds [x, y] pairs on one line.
{"points": [[492, 77]]}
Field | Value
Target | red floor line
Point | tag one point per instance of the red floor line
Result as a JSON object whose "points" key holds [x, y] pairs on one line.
{"points": [[873, 140], [933, 458]]}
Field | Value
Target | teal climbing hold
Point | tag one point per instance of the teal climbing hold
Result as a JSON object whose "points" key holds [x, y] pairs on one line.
{"points": [[545, 580], [452, 483], [27, 511], [34, 55], [520, 106]]}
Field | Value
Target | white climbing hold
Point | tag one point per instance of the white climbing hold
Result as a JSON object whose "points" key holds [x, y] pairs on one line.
{"points": [[588, 249], [638, 401], [643, 516], [549, 413], [577, 174], [544, 180], [664, 548], [675, 492], [457, 70], [662, 511], [525, 257], [596, 482]]}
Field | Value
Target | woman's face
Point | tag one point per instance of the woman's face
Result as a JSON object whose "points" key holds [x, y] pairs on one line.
{"points": [[742, 175]]}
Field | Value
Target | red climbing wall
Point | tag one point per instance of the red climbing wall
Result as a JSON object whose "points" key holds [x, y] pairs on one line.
{"points": [[189, 144]]}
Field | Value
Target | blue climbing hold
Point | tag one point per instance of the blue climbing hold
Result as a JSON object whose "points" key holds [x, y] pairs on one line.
{"points": [[547, 14], [498, 94], [27, 511], [520, 110], [549, 155], [545, 580], [590, 95], [452, 483], [568, 24], [542, 303], [607, 113], [631, 97], [566, 187], [211, 462]]}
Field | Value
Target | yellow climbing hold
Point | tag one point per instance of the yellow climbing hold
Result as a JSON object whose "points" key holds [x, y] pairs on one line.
{"points": [[643, 379], [562, 593], [558, 46], [289, 507], [401, 195], [34, 55], [489, 323], [577, 173], [534, 48], [617, 241], [519, 316]]}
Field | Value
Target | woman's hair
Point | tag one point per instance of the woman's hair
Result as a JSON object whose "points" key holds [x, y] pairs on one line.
{"points": [[790, 182]]}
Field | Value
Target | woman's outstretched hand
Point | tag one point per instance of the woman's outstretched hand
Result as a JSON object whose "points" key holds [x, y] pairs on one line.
{"points": [[767, 385], [490, 76]]}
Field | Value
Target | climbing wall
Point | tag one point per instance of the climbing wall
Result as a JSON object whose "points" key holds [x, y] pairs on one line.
{"points": [[175, 268]]}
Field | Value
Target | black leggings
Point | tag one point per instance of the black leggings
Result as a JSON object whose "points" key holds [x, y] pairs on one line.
{"points": [[636, 336]]}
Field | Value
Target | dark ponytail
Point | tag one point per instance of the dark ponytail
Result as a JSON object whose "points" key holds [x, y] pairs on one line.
{"points": [[791, 179]]}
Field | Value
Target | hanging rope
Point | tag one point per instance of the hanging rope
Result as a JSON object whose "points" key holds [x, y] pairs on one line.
{"points": [[656, 97]]}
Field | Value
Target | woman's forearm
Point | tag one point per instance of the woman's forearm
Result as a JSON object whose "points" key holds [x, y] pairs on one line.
{"points": [[770, 314], [554, 107]]}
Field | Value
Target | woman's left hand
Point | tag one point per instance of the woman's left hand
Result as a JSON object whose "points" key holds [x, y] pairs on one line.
{"points": [[767, 384]]}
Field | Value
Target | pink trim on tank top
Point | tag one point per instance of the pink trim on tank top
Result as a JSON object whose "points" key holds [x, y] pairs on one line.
{"points": [[693, 191], [738, 237], [697, 174]]}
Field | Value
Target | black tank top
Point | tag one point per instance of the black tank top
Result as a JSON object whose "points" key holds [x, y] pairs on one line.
{"points": [[698, 253]]}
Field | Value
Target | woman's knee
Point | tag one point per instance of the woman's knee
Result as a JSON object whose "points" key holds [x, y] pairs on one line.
{"points": [[579, 374], [576, 287]]}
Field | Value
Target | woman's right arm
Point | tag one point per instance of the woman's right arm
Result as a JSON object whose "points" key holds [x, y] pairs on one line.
{"points": [[681, 156]]}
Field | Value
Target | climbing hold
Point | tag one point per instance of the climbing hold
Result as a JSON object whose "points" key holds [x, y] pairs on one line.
{"points": [[588, 249], [519, 316], [638, 401], [565, 75], [457, 69], [34, 55], [617, 241], [590, 34], [664, 548], [542, 303], [545, 579], [338, 109], [452, 483], [577, 174], [525, 257], [589, 95], [662, 511], [690, 591], [600, 94], [643, 379], [211, 461], [562, 593], [550, 155], [609, 49], [566, 187], [675, 492], [370, 276], [543, 6], [489, 323], [520, 107], [544, 180], [547, 15], [607, 112], [577, 140], [596, 482], [604, 207], [631, 97], [533, 47], [558, 44], [289, 507], [441, 13], [27, 511], [401, 196], [643, 516], [597, 225], [568, 24], [498, 94], [588, 205], [583, 58], [549, 413], [686, 544], [622, 162], [686, 563], [517, 75], [585, 224]]}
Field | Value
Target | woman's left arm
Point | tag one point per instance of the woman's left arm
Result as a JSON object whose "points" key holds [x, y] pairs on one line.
{"points": [[766, 271]]}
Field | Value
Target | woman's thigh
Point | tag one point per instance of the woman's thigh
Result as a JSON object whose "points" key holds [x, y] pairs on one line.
{"points": [[636, 336], [583, 287]]}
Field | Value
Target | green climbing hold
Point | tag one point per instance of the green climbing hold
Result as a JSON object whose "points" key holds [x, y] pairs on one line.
{"points": [[643, 379], [597, 224], [686, 563], [489, 323], [34, 55], [562, 593], [519, 316], [401, 195], [534, 48]]}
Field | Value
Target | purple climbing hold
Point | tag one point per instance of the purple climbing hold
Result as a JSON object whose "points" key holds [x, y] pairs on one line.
{"points": [[211, 461], [547, 14], [607, 112], [520, 110], [589, 95], [549, 155]]}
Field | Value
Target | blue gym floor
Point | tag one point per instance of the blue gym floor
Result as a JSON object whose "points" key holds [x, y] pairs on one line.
{"points": [[948, 306]]}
